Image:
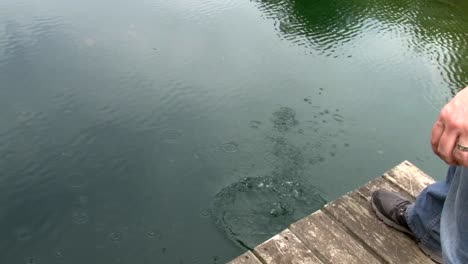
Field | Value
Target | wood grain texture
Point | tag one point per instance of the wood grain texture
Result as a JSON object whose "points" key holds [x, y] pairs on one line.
{"points": [[285, 248], [325, 236], [355, 213], [381, 183], [246, 258], [409, 178]]}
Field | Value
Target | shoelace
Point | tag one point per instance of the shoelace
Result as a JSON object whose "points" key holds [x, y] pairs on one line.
{"points": [[400, 209]]}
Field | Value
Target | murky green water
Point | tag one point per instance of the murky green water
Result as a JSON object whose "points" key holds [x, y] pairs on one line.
{"points": [[128, 129]]}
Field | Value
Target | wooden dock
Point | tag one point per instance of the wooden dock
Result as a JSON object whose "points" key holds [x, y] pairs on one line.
{"points": [[346, 230]]}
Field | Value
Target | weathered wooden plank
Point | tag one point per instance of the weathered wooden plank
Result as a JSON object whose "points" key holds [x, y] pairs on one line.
{"points": [[246, 258], [380, 183], [285, 248], [354, 213], [325, 236], [409, 178]]}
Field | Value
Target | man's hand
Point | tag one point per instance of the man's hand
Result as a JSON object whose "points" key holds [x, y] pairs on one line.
{"points": [[451, 129]]}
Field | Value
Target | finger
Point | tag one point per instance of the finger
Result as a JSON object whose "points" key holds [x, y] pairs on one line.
{"points": [[456, 156], [446, 145], [461, 155], [437, 131]]}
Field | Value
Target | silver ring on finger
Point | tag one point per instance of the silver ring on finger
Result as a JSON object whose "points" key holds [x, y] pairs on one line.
{"points": [[461, 147]]}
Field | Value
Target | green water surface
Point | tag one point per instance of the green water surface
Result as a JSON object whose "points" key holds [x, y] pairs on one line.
{"points": [[129, 129]]}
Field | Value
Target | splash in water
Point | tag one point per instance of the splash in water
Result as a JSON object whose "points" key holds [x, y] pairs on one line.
{"points": [[256, 208], [284, 119]]}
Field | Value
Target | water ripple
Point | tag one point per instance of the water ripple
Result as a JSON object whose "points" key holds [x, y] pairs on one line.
{"points": [[324, 27], [254, 209], [197, 10]]}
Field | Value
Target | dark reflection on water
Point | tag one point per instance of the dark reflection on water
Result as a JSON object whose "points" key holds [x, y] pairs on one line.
{"points": [[124, 133], [320, 25], [435, 28]]}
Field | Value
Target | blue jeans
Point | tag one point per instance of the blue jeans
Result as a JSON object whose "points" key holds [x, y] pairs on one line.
{"points": [[439, 217]]}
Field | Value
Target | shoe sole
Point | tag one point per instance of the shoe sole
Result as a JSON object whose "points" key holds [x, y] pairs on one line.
{"points": [[389, 222], [428, 252]]}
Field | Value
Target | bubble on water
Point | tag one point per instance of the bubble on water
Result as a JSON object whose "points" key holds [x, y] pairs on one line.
{"points": [[284, 119], [31, 260], [205, 212], [80, 217], [255, 124], [316, 160], [153, 234], [23, 234], [230, 147], [58, 253], [308, 100], [338, 117], [115, 236], [255, 209], [171, 136]]}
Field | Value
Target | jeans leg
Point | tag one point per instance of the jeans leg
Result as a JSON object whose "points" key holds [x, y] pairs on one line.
{"points": [[454, 223], [425, 214]]}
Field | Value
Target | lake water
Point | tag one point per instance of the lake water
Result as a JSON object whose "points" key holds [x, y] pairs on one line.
{"points": [[155, 131]]}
